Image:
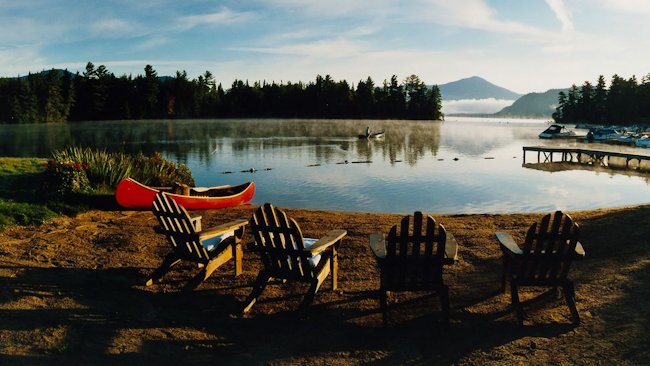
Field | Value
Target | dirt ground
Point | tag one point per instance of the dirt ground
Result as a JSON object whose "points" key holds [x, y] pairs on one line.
{"points": [[72, 292]]}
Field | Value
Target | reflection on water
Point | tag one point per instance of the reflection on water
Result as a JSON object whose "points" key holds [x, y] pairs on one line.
{"points": [[453, 166]]}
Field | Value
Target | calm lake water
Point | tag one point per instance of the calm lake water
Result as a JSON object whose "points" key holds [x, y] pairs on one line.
{"points": [[457, 166]]}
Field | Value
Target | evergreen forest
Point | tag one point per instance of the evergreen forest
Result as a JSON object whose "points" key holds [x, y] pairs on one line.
{"points": [[57, 96], [626, 102]]}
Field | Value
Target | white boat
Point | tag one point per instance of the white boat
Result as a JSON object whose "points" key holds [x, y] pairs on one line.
{"points": [[556, 131], [603, 134]]}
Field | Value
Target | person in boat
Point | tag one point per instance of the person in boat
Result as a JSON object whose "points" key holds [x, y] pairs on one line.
{"points": [[368, 131]]}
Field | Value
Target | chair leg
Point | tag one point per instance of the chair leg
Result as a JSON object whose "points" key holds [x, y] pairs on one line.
{"points": [[443, 292], [170, 261], [570, 295], [203, 275], [259, 285], [383, 305], [238, 253], [514, 293], [309, 297], [334, 268]]}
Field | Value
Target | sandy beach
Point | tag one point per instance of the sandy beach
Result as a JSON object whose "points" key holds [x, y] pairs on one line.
{"points": [[72, 292]]}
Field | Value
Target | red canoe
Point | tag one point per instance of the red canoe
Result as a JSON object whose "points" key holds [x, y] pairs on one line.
{"points": [[134, 195]]}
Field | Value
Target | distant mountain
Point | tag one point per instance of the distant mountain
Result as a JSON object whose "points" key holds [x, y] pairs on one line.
{"points": [[475, 88], [533, 105]]}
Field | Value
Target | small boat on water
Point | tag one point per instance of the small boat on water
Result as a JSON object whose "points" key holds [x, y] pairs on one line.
{"points": [[372, 135], [132, 194], [604, 134], [556, 131]]}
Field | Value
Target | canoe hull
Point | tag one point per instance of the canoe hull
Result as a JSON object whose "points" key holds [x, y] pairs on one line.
{"points": [[133, 195]]}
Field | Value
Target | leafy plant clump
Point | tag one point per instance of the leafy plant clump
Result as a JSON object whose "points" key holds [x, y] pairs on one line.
{"points": [[65, 177], [104, 170]]}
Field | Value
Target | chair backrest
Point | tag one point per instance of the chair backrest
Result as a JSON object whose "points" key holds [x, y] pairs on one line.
{"points": [[279, 241], [175, 223], [548, 250], [414, 254]]}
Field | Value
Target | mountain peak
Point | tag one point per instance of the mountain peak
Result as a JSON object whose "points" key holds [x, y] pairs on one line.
{"points": [[475, 87]]}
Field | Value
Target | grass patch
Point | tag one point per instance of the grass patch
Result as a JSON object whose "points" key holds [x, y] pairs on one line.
{"points": [[30, 188], [18, 213], [23, 200]]}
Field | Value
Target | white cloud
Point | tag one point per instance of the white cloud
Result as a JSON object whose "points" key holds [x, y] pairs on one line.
{"points": [[113, 27], [637, 7], [562, 13], [336, 48], [152, 43], [16, 61], [337, 8], [224, 16]]}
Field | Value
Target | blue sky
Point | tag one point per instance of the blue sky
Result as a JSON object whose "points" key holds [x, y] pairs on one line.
{"points": [[525, 46]]}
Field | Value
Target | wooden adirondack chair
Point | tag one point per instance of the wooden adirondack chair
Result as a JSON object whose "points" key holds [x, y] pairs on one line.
{"points": [[545, 259], [412, 259], [287, 255], [208, 248]]}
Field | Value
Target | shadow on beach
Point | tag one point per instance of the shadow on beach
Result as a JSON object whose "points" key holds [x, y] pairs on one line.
{"points": [[79, 299]]}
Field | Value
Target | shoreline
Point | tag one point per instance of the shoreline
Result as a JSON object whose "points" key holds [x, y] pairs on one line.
{"points": [[72, 292]]}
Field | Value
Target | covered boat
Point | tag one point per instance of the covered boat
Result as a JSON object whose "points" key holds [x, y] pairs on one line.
{"points": [[556, 131], [135, 195]]}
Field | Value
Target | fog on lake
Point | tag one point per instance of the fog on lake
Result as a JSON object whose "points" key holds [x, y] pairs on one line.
{"points": [[461, 165]]}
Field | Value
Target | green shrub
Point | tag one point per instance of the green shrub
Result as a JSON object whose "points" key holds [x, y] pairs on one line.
{"points": [[158, 172], [106, 169], [65, 177]]}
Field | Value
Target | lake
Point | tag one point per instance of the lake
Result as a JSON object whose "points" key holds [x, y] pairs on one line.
{"points": [[462, 165]]}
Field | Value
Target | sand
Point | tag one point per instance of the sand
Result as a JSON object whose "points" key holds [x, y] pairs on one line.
{"points": [[72, 292]]}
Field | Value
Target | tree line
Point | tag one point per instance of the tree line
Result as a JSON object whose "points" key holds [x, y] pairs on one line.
{"points": [[56, 96], [626, 102]]}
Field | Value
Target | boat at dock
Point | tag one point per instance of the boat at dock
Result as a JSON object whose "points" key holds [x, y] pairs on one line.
{"points": [[556, 131], [132, 194]]}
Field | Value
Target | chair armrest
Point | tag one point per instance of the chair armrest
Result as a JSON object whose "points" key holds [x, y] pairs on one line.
{"points": [[451, 247], [328, 240], [507, 242], [221, 229], [580, 251], [196, 221], [378, 244]]}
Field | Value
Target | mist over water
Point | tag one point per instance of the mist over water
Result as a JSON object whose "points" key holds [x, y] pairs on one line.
{"points": [[462, 165]]}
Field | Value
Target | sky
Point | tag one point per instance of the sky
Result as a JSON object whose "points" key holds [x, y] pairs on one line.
{"points": [[525, 46]]}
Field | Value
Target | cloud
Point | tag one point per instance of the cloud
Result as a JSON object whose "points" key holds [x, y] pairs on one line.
{"points": [[637, 7], [224, 16], [335, 48], [113, 27], [337, 8], [152, 43], [16, 61], [562, 14]]}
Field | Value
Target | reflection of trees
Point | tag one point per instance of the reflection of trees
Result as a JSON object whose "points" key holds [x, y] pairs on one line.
{"points": [[332, 140]]}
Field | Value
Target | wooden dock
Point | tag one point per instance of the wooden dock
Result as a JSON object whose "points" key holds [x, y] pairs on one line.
{"points": [[584, 156]]}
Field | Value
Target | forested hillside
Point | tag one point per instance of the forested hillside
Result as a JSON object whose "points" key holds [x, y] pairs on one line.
{"points": [[541, 105], [97, 94], [625, 102]]}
